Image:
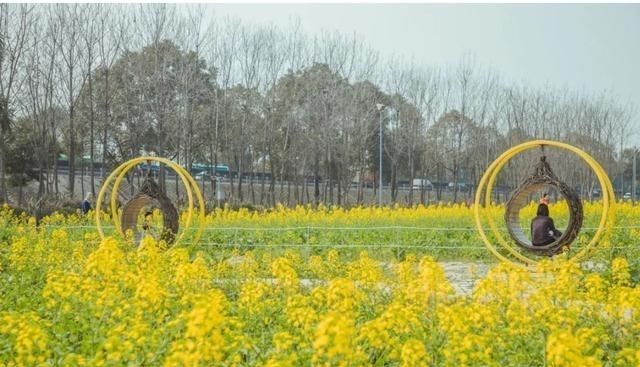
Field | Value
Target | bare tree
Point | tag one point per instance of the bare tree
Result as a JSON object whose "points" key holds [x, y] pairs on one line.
{"points": [[72, 75], [277, 103], [39, 65], [15, 23], [113, 27], [275, 56], [90, 37]]}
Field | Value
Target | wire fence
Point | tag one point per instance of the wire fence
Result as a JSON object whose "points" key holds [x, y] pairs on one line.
{"points": [[337, 245], [379, 237], [297, 228]]}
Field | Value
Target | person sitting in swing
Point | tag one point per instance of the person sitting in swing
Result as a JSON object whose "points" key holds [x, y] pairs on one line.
{"points": [[148, 221], [147, 227], [543, 231], [544, 199]]}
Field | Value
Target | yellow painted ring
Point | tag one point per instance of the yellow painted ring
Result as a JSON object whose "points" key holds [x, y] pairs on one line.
{"points": [[121, 171], [602, 178], [116, 187], [186, 178], [188, 181], [489, 179], [501, 162]]}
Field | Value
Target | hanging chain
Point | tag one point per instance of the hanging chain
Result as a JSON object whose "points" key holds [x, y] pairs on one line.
{"points": [[543, 168], [148, 169]]}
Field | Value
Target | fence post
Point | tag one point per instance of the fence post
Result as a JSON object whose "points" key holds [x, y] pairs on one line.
{"points": [[397, 243], [235, 237]]}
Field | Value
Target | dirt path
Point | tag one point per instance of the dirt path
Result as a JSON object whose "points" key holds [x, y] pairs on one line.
{"points": [[464, 275]]}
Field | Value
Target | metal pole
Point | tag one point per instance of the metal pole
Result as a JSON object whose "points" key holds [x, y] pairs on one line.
{"points": [[219, 192], [633, 179], [380, 169]]}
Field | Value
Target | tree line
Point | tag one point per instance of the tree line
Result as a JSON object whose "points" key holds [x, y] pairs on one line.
{"points": [[102, 84]]}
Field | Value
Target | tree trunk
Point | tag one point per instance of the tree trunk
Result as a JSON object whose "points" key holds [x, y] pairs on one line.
{"points": [[239, 165], [72, 150], [262, 180], [107, 123], [281, 186], [20, 194], [3, 181], [232, 187], [330, 175], [55, 153], [82, 180], [440, 177], [251, 187], [41, 178], [316, 180], [325, 187], [422, 187], [412, 175], [361, 183], [264, 164], [176, 177], [272, 188], [394, 183], [296, 189], [339, 191], [455, 181], [91, 133]]}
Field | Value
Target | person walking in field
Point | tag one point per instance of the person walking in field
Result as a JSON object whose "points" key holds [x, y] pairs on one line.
{"points": [[543, 230], [86, 204]]}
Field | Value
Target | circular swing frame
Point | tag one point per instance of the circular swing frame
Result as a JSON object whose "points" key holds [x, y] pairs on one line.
{"points": [[543, 177], [120, 172], [150, 192], [515, 257]]}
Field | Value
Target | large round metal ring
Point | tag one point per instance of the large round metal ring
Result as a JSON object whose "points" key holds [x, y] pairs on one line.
{"points": [[119, 173], [487, 182]]}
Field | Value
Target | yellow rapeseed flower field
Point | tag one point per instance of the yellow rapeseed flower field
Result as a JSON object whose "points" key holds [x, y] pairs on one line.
{"points": [[311, 287]]}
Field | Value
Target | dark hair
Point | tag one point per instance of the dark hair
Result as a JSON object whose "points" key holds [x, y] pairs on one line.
{"points": [[148, 213], [543, 210]]}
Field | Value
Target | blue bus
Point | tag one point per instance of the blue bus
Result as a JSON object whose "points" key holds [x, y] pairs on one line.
{"points": [[197, 169], [220, 169]]}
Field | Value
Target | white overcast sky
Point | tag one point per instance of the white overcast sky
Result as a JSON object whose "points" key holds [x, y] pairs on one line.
{"points": [[591, 47]]}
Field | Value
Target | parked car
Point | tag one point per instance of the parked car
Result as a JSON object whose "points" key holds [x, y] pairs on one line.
{"points": [[461, 185], [202, 175], [403, 184], [419, 183], [626, 196]]}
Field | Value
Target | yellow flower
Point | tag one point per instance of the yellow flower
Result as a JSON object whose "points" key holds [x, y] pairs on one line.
{"points": [[565, 348], [23, 334], [620, 271], [414, 354], [334, 341]]}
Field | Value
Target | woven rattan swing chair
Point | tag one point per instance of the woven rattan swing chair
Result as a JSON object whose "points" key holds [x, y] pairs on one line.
{"points": [[541, 178], [150, 194]]}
